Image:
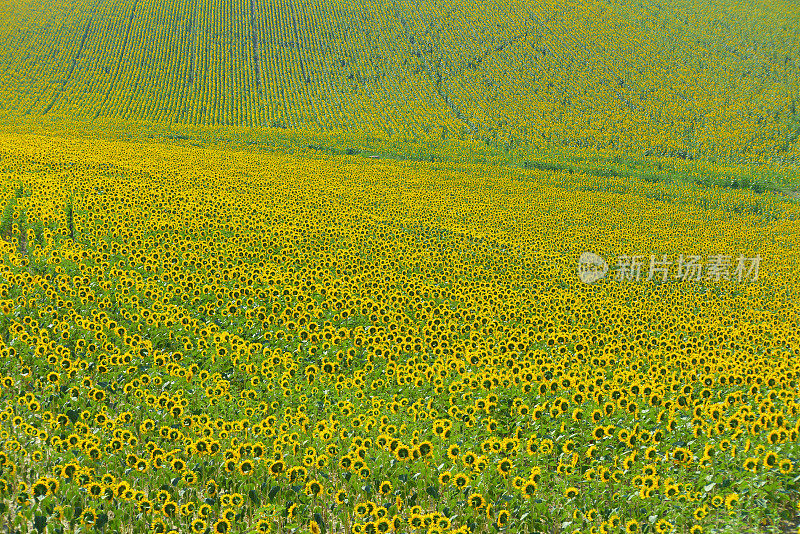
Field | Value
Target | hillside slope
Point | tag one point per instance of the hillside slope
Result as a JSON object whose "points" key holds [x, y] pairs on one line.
{"points": [[676, 77]]}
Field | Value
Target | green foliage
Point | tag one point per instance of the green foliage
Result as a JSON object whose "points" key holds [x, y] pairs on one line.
{"points": [[7, 219]]}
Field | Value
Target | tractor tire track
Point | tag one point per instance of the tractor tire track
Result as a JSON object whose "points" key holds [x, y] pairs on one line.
{"points": [[298, 47], [256, 48], [436, 80], [545, 28], [66, 80], [190, 42]]}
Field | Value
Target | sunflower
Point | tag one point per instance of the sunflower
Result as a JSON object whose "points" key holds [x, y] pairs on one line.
{"points": [[221, 526], [313, 488], [425, 448], [158, 525], [95, 489], [503, 517], [89, 517], [682, 455], [700, 512], [178, 465], [363, 509], [170, 508], [145, 506], [469, 459], [671, 491], [663, 526], [504, 467], [770, 459], [246, 467], [529, 489], [461, 480], [571, 492], [277, 467], [52, 486], [453, 452], [774, 437], [476, 501], [632, 526], [627, 463], [751, 464], [402, 453]]}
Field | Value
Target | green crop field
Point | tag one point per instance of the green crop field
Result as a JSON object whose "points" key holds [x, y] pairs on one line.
{"points": [[675, 78]]}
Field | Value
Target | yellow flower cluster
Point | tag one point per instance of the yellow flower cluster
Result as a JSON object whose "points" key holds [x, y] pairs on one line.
{"points": [[196, 339]]}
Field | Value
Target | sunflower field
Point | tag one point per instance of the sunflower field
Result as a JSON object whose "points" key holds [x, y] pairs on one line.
{"points": [[685, 78], [212, 341]]}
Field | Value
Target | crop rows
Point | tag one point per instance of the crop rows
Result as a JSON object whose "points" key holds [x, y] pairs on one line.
{"points": [[682, 79]]}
